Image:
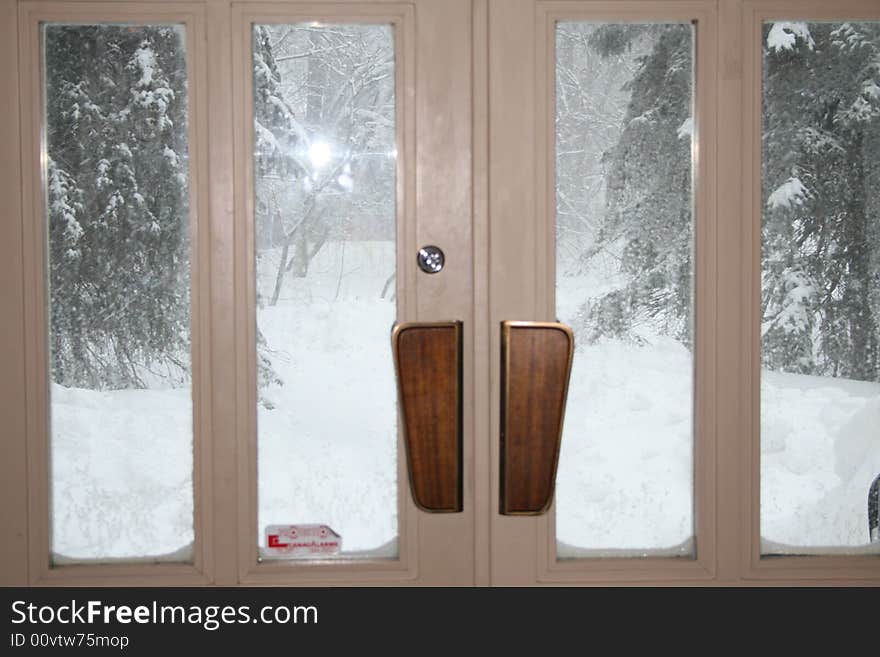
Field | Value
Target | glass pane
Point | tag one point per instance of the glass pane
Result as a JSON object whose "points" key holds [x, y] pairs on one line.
{"points": [[820, 286], [325, 168], [119, 292], [624, 279]]}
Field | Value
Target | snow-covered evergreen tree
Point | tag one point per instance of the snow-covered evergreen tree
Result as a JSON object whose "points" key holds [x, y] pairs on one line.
{"points": [[821, 127], [278, 135], [821, 174], [117, 195], [648, 214]]}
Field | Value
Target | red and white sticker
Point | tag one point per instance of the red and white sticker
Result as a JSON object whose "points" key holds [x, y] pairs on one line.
{"points": [[302, 541]]}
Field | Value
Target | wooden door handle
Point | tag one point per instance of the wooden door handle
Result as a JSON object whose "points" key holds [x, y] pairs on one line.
{"points": [[535, 368], [427, 359]]}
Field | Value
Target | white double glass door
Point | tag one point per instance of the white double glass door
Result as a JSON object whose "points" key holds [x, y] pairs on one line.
{"points": [[222, 210]]}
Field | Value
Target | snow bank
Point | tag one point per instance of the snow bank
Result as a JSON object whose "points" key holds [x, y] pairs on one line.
{"points": [[122, 466], [625, 480], [826, 453], [626, 469]]}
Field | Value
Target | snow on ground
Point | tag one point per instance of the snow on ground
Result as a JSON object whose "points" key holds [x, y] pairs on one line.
{"points": [[820, 453], [327, 450], [625, 468], [122, 460], [122, 473], [625, 481]]}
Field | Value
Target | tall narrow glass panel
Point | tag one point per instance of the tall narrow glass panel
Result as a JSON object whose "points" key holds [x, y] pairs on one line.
{"points": [[118, 244], [325, 219], [624, 283], [820, 287]]}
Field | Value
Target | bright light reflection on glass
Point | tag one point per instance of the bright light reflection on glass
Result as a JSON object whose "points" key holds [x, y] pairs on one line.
{"points": [[320, 154]]}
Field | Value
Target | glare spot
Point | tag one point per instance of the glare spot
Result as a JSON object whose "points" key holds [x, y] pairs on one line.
{"points": [[320, 154]]}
